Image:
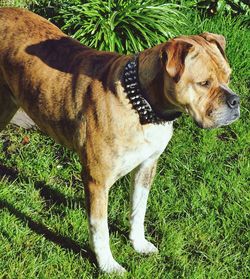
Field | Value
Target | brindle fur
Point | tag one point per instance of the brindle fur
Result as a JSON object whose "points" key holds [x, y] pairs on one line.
{"points": [[75, 95]]}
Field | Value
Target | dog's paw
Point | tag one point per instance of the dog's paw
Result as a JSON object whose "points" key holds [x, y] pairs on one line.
{"points": [[144, 247], [111, 266]]}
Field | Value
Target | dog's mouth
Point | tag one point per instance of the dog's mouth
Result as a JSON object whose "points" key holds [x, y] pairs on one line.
{"points": [[219, 118], [216, 116], [226, 118]]}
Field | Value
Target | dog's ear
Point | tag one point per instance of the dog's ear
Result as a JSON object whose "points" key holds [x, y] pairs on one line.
{"points": [[217, 39], [173, 57]]}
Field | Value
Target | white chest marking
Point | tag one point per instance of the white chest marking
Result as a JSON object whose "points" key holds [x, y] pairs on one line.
{"points": [[151, 143]]}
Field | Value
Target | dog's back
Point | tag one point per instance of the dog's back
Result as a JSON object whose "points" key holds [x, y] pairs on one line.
{"points": [[48, 74]]}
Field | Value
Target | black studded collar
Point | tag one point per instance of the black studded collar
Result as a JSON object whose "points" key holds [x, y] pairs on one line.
{"points": [[136, 96]]}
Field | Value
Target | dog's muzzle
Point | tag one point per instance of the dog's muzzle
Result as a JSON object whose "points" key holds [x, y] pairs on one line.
{"points": [[230, 110]]}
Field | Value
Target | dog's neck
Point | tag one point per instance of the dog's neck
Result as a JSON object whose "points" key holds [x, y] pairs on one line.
{"points": [[137, 95]]}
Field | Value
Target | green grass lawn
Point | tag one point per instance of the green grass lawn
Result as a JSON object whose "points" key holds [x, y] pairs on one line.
{"points": [[198, 210]]}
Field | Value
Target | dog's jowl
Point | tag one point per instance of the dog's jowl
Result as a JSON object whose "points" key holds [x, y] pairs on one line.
{"points": [[116, 111]]}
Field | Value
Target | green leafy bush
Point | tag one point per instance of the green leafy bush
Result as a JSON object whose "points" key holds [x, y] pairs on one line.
{"points": [[233, 7], [17, 3], [50, 9], [120, 25]]}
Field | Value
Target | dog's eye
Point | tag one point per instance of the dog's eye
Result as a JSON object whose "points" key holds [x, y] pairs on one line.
{"points": [[205, 83]]}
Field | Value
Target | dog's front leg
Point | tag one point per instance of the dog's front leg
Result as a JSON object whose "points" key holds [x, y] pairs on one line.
{"points": [[97, 206], [142, 178]]}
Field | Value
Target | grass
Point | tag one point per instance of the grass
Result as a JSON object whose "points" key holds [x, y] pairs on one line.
{"points": [[198, 211], [17, 3]]}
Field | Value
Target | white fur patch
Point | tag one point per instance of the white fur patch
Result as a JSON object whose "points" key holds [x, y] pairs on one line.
{"points": [[99, 237], [138, 210], [141, 187], [150, 142]]}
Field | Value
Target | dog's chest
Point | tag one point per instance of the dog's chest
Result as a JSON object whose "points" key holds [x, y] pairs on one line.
{"points": [[149, 144]]}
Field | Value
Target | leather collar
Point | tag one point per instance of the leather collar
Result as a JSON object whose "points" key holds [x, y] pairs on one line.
{"points": [[136, 97]]}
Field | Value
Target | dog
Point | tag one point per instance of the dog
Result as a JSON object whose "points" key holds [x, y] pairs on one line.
{"points": [[116, 111]]}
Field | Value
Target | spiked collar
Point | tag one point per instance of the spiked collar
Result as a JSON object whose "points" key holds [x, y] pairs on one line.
{"points": [[136, 97]]}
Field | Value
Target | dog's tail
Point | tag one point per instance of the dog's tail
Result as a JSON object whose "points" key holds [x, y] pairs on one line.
{"points": [[21, 119]]}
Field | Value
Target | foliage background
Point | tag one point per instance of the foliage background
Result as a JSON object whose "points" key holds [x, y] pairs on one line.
{"points": [[198, 211]]}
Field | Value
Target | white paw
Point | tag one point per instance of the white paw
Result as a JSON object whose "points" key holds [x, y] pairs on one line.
{"points": [[111, 266], [144, 247]]}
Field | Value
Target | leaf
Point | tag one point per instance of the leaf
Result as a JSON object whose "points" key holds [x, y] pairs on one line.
{"points": [[120, 25]]}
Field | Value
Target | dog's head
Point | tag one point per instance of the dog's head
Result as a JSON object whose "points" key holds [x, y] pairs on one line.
{"points": [[197, 77]]}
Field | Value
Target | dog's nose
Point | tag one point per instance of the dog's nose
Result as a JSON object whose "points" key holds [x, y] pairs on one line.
{"points": [[233, 101]]}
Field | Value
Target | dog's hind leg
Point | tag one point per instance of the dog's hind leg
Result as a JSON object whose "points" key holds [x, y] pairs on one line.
{"points": [[8, 106], [142, 178]]}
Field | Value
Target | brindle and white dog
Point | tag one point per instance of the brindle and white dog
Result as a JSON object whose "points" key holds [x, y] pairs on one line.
{"points": [[116, 111]]}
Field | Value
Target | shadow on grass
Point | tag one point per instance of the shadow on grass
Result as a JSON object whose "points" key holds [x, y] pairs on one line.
{"points": [[10, 173], [53, 197], [50, 195], [62, 241]]}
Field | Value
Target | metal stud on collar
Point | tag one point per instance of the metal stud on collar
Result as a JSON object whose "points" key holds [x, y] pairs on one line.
{"points": [[135, 94]]}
